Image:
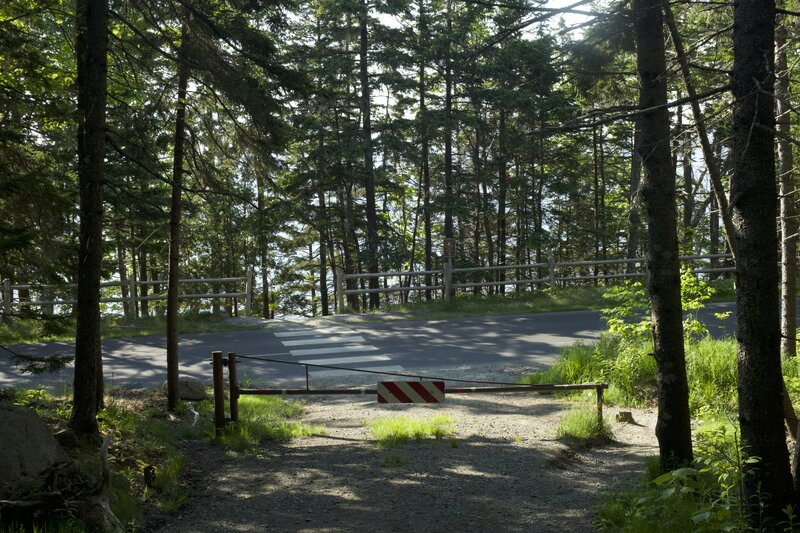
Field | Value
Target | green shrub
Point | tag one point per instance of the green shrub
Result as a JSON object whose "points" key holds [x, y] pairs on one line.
{"points": [[711, 372], [584, 426], [392, 432], [263, 418]]}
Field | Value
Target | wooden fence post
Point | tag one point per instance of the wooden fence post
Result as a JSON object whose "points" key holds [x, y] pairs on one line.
{"points": [[448, 281], [132, 303], [7, 297], [233, 382], [339, 288], [219, 393], [600, 404], [248, 297], [552, 271]]}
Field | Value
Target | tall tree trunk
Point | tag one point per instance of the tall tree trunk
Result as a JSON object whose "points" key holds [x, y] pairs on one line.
{"points": [[122, 268], [502, 191], [788, 184], [91, 46], [712, 163], [767, 484], [448, 128], [369, 173], [323, 253], [261, 239], [173, 393], [634, 209], [145, 288], [673, 428], [425, 149]]}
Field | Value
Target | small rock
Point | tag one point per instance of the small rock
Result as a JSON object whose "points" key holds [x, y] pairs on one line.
{"points": [[191, 390], [626, 417]]}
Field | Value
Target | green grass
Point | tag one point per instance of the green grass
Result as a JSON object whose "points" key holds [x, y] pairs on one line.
{"points": [[21, 330], [583, 426], [263, 418], [391, 432], [540, 301]]}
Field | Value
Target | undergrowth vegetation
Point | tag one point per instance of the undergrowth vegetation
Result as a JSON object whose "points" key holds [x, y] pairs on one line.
{"points": [[582, 425], [145, 437], [704, 496], [391, 432]]}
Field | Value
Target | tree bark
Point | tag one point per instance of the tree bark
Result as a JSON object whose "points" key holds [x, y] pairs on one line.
{"points": [[767, 484], [633, 213], [673, 428], [91, 47], [788, 208], [448, 128], [425, 149], [173, 393], [502, 224], [369, 172], [712, 163], [323, 253]]}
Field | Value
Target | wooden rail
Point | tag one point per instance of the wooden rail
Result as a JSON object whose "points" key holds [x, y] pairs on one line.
{"points": [[218, 363], [555, 274], [9, 301]]}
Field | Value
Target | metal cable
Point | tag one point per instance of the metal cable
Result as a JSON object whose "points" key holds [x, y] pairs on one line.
{"points": [[358, 370]]}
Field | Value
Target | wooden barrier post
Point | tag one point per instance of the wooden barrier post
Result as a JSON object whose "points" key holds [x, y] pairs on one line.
{"points": [[233, 381], [552, 263], [599, 390], [448, 280], [219, 393]]}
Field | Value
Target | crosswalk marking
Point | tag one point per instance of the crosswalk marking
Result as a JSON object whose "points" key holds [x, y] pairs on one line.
{"points": [[312, 332], [324, 340], [334, 346], [345, 360], [337, 373], [334, 349]]}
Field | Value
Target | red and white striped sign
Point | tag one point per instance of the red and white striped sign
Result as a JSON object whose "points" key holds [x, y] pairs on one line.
{"points": [[410, 391]]}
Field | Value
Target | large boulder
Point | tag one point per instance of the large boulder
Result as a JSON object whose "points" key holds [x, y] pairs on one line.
{"points": [[27, 446], [190, 390]]}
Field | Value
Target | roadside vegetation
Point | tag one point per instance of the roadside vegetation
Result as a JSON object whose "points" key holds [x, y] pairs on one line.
{"points": [[146, 457], [704, 496], [57, 328], [391, 432]]}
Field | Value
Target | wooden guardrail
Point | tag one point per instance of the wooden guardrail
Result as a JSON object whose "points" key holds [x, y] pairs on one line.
{"points": [[11, 299], [555, 273]]}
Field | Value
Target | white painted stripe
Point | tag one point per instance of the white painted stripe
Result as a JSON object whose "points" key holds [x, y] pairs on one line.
{"points": [[408, 391], [336, 373], [343, 360], [324, 340], [311, 332], [334, 349]]}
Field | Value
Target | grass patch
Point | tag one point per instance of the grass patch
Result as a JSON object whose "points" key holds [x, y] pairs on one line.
{"points": [[22, 330], [583, 426], [263, 418], [539, 301], [395, 462], [393, 432]]}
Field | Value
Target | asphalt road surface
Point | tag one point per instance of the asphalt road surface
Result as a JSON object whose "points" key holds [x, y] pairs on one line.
{"points": [[401, 346]]}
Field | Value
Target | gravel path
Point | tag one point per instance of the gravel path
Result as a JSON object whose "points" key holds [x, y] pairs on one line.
{"points": [[502, 471]]}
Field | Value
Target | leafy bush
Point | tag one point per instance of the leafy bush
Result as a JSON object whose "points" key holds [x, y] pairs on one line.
{"points": [[584, 426], [264, 418]]}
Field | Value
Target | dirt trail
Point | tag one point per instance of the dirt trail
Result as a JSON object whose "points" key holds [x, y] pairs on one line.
{"points": [[502, 471]]}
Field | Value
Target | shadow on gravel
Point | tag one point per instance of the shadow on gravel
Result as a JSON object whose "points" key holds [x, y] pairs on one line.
{"points": [[476, 484]]}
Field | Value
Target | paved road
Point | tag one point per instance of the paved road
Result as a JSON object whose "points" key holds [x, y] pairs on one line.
{"points": [[403, 346]]}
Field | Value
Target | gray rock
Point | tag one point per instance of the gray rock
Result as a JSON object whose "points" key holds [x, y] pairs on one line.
{"points": [[26, 448], [191, 390]]}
